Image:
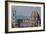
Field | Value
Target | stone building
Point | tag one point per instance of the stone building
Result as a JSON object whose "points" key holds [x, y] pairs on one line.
{"points": [[36, 19]]}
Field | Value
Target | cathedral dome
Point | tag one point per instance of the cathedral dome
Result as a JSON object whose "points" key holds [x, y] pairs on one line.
{"points": [[34, 13]]}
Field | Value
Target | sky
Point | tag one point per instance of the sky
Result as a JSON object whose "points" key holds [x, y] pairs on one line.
{"points": [[25, 10]]}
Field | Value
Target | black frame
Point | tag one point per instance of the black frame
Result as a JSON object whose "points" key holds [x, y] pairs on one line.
{"points": [[6, 16]]}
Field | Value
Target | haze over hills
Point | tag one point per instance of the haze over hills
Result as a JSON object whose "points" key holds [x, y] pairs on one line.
{"points": [[23, 17]]}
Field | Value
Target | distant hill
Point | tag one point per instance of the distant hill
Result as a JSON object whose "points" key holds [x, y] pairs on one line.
{"points": [[22, 17]]}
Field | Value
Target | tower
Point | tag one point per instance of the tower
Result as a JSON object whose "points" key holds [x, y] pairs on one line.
{"points": [[13, 18]]}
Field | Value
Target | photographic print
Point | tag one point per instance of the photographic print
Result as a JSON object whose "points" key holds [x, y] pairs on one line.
{"points": [[24, 16]]}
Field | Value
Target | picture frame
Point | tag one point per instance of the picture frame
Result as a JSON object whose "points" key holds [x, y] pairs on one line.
{"points": [[21, 6]]}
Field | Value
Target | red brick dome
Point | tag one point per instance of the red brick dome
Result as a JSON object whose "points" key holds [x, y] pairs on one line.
{"points": [[34, 13]]}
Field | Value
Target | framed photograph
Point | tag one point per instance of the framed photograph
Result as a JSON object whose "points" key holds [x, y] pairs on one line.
{"points": [[25, 16]]}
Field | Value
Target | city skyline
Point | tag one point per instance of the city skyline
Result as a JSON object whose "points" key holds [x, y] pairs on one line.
{"points": [[24, 16]]}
